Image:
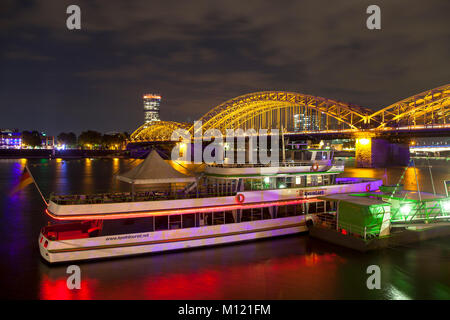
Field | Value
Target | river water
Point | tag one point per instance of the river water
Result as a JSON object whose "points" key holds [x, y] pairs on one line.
{"points": [[294, 267]]}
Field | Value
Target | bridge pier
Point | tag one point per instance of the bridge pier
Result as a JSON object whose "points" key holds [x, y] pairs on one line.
{"points": [[379, 153]]}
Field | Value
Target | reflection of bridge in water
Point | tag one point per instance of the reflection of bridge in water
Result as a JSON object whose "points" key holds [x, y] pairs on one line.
{"points": [[381, 136]]}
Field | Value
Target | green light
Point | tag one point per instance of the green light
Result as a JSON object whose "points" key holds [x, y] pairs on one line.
{"points": [[405, 209], [266, 179], [445, 205]]}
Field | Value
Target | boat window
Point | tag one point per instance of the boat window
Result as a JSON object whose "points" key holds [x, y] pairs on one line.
{"points": [[188, 220], [290, 182], [303, 155], [161, 223], [307, 155], [175, 222], [321, 155], [297, 155], [330, 206], [202, 219], [208, 218], [218, 217], [311, 180], [312, 208], [319, 180], [290, 210], [267, 212], [246, 215], [300, 210], [256, 214], [281, 182], [320, 206], [117, 227], [229, 217]]}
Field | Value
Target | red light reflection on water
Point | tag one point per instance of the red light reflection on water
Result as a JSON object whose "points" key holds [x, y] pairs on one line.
{"points": [[268, 279], [56, 289], [272, 279]]}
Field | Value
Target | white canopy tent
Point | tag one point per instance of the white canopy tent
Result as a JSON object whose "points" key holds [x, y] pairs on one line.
{"points": [[154, 170]]}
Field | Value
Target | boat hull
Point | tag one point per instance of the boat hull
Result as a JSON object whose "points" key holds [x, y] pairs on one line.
{"points": [[168, 240]]}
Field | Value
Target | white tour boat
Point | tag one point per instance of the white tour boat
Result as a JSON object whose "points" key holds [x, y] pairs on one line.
{"points": [[223, 204]]}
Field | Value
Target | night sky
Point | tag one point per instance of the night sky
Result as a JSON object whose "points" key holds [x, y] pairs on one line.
{"points": [[197, 54]]}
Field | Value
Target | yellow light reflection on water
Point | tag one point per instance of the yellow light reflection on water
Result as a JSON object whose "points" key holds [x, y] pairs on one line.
{"points": [[115, 166]]}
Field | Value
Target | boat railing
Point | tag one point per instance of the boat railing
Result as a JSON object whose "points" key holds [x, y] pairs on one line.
{"points": [[328, 220], [136, 197], [288, 163], [420, 212], [118, 197], [367, 232]]}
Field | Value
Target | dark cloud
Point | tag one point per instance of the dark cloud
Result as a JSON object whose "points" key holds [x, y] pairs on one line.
{"points": [[199, 53]]}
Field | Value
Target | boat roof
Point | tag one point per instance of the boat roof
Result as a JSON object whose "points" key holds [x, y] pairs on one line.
{"points": [[154, 170]]}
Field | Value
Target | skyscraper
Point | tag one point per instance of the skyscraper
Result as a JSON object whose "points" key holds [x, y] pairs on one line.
{"points": [[303, 122], [151, 107]]}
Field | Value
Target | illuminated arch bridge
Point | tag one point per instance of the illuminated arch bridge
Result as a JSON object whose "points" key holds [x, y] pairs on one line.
{"points": [[292, 112]]}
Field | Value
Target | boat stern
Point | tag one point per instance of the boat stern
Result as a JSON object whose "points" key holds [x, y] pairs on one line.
{"points": [[44, 243]]}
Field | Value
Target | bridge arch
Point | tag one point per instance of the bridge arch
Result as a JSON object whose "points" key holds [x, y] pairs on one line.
{"points": [[157, 130], [273, 109], [431, 107]]}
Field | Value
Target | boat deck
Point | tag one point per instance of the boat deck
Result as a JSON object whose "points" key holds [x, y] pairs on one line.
{"points": [[204, 192]]}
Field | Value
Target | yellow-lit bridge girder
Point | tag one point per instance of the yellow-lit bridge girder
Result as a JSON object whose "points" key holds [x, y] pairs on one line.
{"points": [[157, 130], [431, 107], [276, 109]]}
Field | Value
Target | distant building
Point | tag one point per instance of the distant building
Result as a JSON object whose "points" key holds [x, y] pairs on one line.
{"points": [[151, 107], [14, 140], [10, 139], [47, 142], [304, 122]]}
